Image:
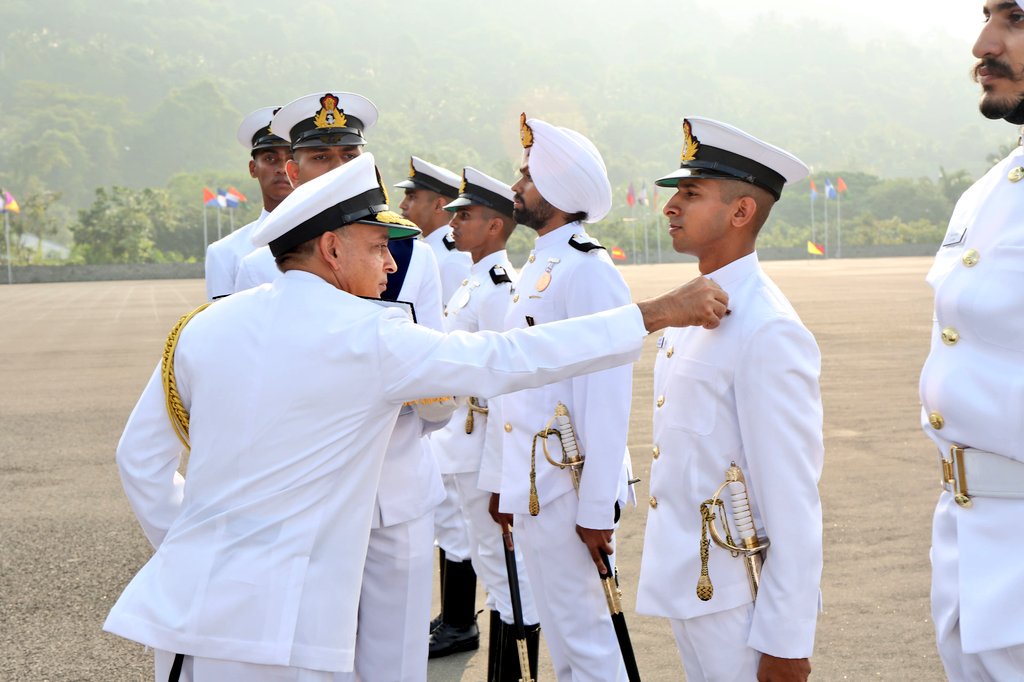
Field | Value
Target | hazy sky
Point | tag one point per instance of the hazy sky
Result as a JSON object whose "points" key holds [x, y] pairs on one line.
{"points": [[920, 19]]}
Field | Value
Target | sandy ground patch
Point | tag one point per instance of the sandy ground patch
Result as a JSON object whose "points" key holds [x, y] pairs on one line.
{"points": [[74, 358]]}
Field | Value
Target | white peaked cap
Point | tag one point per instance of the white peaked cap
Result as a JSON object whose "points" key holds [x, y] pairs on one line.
{"points": [[351, 193]]}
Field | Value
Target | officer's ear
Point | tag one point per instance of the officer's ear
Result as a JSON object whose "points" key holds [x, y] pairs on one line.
{"points": [[291, 169], [329, 247], [744, 210]]}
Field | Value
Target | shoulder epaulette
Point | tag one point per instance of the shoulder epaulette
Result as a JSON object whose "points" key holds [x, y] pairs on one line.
{"points": [[499, 276], [449, 242], [584, 244]]}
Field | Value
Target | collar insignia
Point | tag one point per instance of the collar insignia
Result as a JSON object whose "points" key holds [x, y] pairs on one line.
{"points": [[691, 145], [329, 116]]}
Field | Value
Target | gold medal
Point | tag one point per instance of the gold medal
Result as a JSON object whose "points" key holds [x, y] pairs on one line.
{"points": [[545, 279], [1016, 174]]}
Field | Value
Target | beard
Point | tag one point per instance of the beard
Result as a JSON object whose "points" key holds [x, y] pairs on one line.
{"points": [[1009, 107], [536, 217]]}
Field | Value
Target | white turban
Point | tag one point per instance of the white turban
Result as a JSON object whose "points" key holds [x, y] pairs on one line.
{"points": [[569, 171]]}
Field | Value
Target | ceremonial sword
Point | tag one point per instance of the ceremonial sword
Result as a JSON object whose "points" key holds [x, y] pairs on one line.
{"points": [[572, 459], [517, 604]]}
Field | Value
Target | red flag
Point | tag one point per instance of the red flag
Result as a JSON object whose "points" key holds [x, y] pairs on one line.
{"points": [[617, 253], [209, 198], [840, 185], [815, 249], [236, 194], [631, 196]]}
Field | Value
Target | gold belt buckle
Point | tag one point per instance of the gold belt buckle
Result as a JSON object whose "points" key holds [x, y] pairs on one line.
{"points": [[955, 475]]}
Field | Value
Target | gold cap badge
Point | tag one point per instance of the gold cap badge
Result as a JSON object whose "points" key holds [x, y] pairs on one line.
{"points": [[462, 187], [525, 133], [412, 169], [690, 143], [329, 115]]}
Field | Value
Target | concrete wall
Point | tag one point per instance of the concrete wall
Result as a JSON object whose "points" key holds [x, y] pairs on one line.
{"points": [[95, 273], [27, 274]]}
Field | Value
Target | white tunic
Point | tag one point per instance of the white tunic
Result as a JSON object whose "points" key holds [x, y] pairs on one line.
{"points": [[258, 267], [745, 392], [479, 303], [293, 390], [224, 256], [580, 283], [976, 384], [452, 263]]}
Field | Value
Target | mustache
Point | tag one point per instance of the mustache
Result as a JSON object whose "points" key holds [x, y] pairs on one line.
{"points": [[995, 67]]}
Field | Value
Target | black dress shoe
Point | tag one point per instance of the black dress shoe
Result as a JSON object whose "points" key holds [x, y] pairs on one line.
{"points": [[435, 622], [447, 639]]}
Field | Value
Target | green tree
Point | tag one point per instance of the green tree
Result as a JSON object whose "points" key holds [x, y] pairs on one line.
{"points": [[117, 228]]}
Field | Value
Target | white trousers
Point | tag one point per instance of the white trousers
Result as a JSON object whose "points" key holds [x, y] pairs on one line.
{"points": [[449, 524], [568, 594], [993, 665], [197, 669], [488, 551], [394, 604], [714, 647]]}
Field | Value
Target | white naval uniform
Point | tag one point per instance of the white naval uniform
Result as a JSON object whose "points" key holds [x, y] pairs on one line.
{"points": [[394, 604], [746, 392], [972, 389], [481, 303], [258, 267], [450, 527], [293, 390], [224, 256], [565, 583]]}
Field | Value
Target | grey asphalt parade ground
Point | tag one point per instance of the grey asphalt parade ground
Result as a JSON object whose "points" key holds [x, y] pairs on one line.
{"points": [[75, 357]]}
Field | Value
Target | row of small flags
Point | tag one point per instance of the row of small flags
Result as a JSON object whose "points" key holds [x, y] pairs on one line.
{"points": [[633, 197], [229, 198], [831, 191], [8, 204]]}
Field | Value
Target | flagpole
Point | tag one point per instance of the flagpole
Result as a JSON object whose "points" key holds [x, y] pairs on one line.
{"points": [[231, 214], [657, 235], [826, 223], [813, 233], [7, 242], [206, 235], [218, 223], [839, 224], [647, 253]]}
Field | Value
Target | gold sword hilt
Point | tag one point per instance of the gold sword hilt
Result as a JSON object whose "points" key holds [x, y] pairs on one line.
{"points": [[751, 547]]}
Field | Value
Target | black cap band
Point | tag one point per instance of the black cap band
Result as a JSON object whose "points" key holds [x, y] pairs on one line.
{"points": [[715, 162], [368, 204], [306, 134], [263, 138], [479, 196], [423, 181]]}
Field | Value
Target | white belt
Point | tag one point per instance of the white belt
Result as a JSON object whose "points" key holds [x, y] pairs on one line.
{"points": [[968, 473]]}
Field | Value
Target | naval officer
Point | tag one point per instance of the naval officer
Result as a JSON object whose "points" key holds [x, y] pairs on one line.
{"points": [[746, 392], [330, 132], [563, 183], [269, 154], [481, 225], [972, 390], [394, 605], [427, 190], [259, 554]]}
